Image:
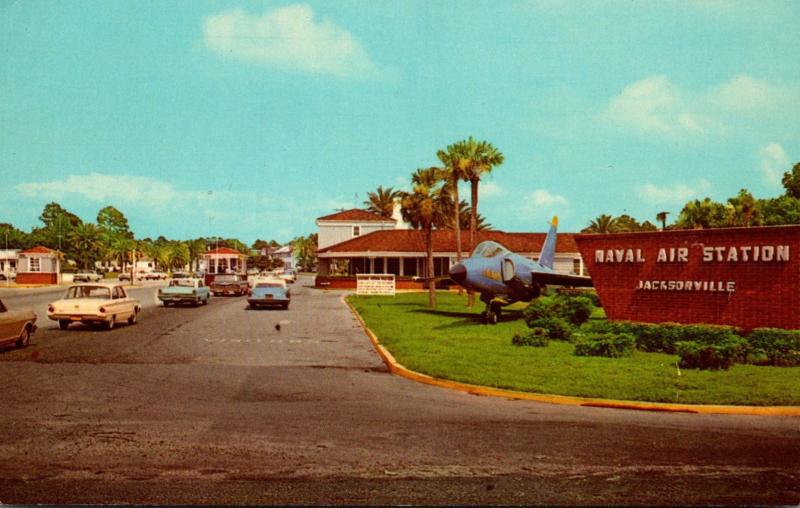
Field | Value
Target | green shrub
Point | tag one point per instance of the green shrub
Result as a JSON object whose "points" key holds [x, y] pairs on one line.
{"points": [[697, 355], [538, 309], [663, 337], [557, 328], [774, 346], [611, 345], [576, 309], [577, 292], [536, 337]]}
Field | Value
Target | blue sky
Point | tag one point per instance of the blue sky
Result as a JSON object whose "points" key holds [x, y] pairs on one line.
{"points": [[251, 119]]}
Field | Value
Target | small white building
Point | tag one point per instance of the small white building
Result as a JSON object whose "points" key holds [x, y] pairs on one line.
{"points": [[8, 261], [349, 224]]}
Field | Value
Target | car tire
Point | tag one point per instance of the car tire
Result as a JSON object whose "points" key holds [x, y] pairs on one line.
{"points": [[205, 302], [24, 338], [133, 318], [63, 324], [111, 323]]}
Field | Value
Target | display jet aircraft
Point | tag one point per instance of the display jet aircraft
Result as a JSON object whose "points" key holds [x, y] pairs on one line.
{"points": [[503, 277]]}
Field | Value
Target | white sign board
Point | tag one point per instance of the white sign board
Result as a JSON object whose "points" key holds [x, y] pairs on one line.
{"points": [[375, 284]]}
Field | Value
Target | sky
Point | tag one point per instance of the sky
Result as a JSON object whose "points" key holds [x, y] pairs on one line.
{"points": [[251, 119]]}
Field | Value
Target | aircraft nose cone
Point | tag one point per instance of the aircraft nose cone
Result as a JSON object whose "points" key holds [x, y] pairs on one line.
{"points": [[458, 272]]}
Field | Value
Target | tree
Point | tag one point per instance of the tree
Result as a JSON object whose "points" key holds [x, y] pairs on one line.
{"points": [[662, 218], [178, 255], [464, 216], [58, 225], [113, 222], [702, 215], [86, 240], [602, 224], [120, 250], [455, 172], [475, 158], [779, 211], [196, 249], [13, 238], [382, 201], [791, 181], [305, 251], [233, 243], [745, 210], [426, 207]]}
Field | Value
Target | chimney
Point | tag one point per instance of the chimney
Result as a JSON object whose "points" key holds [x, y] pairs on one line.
{"points": [[397, 216]]}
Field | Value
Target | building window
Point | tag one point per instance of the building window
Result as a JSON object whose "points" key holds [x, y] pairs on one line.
{"points": [[356, 230], [34, 265]]}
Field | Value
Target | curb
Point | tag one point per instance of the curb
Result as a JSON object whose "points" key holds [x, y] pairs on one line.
{"points": [[399, 370]]}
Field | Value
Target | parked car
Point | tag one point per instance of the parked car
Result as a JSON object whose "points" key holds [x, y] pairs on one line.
{"points": [[16, 326], [184, 290], [124, 276], [106, 304], [86, 276], [155, 276], [228, 285], [181, 275], [269, 293]]}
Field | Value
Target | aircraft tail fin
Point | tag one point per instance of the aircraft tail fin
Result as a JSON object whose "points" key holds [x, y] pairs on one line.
{"points": [[548, 255]]}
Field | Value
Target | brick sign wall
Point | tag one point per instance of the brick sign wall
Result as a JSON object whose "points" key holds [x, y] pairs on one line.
{"points": [[747, 277]]}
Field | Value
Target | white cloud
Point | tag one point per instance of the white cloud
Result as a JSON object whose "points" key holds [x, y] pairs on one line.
{"points": [[654, 106], [677, 193], [291, 38], [101, 187], [656, 109], [543, 198], [774, 162]]}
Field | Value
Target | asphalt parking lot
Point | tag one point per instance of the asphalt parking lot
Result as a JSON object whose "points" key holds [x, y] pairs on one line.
{"points": [[222, 405]]}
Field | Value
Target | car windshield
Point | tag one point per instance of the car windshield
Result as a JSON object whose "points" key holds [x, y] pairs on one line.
{"points": [[269, 285], [187, 283], [226, 278], [99, 292], [489, 250]]}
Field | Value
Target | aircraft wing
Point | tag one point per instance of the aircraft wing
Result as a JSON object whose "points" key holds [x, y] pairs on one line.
{"points": [[558, 279]]}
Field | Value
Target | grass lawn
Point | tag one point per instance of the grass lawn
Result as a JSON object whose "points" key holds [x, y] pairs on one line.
{"points": [[449, 343]]}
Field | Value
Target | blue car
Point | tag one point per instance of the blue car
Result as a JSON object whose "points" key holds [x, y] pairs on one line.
{"points": [[270, 293], [192, 291]]}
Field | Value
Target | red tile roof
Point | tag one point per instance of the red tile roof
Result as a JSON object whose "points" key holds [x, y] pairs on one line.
{"points": [[225, 250], [356, 215], [38, 250], [410, 240]]}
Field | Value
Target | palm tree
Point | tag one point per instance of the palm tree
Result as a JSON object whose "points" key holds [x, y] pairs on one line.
{"points": [[196, 249], [464, 216], [160, 254], [662, 218], [602, 224], [382, 201], [454, 173], [178, 255], [426, 207], [120, 249], [475, 158], [86, 239]]}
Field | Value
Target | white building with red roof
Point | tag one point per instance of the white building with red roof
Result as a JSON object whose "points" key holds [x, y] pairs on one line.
{"points": [[38, 265], [224, 260], [382, 248]]}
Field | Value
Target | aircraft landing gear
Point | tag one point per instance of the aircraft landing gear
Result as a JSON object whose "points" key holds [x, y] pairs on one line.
{"points": [[492, 314]]}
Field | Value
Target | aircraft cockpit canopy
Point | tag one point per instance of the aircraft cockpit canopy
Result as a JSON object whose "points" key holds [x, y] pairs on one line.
{"points": [[489, 249]]}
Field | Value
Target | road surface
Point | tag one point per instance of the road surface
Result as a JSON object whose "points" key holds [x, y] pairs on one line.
{"points": [[222, 405]]}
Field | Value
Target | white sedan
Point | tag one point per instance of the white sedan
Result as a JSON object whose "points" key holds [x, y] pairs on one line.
{"points": [[94, 303]]}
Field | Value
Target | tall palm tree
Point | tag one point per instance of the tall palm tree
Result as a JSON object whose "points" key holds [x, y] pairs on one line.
{"points": [[86, 239], [427, 207], [120, 249], [382, 201], [454, 173], [475, 159], [178, 255], [602, 224], [160, 254], [662, 218], [196, 249]]}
